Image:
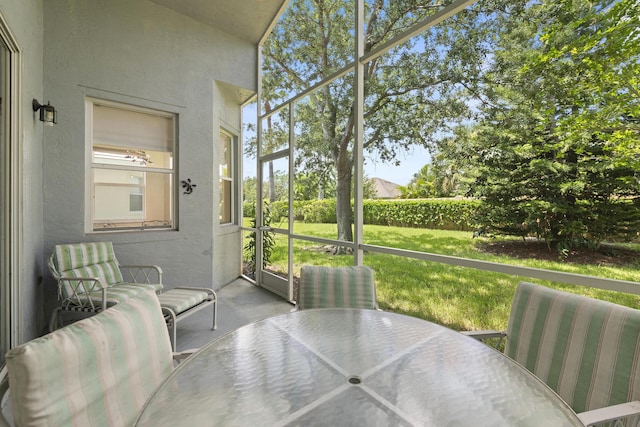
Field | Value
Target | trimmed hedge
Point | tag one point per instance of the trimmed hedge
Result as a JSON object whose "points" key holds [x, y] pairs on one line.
{"points": [[445, 214]]}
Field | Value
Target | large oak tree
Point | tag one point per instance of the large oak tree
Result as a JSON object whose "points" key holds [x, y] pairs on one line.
{"points": [[411, 93]]}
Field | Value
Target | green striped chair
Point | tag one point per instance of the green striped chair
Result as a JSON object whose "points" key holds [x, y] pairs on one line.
{"points": [[585, 349], [91, 279], [336, 287], [98, 371]]}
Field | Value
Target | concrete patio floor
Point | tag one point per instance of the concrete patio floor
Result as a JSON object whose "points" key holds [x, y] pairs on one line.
{"points": [[239, 303]]}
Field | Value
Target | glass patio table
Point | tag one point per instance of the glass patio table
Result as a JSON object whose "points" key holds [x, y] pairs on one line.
{"points": [[339, 367]]}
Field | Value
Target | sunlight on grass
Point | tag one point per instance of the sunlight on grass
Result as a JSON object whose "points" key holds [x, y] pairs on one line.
{"points": [[457, 297]]}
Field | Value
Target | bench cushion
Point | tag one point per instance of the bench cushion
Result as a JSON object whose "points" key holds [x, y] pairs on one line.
{"points": [[341, 287], [97, 371], [179, 300], [115, 295], [585, 349]]}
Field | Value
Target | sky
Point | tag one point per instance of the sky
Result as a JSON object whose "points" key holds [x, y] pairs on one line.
{"points": [[410, 161]]}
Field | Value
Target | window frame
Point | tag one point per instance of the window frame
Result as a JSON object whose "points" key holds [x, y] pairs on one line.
{"points": [[92, 167], [230, 177]]}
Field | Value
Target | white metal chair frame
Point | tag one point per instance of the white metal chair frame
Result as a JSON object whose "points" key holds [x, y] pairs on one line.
{"points": [[75, 303], [137, 274]]}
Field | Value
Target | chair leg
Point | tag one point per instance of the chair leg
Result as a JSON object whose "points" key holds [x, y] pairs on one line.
{"points": [[215, 313], [174, 332], [171, 324]]}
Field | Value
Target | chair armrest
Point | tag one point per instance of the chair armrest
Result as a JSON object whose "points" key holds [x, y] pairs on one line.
{"points": [[180, 356], [89, 284], [609, 413], [94, 280], [146, 274], [487, 335], [483, 335]]}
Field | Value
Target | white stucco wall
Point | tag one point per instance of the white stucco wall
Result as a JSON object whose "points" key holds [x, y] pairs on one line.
{"points": [[140, 53], [24, 19]]}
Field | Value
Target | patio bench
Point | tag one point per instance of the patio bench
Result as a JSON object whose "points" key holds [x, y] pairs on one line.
{"points": [[90, 279], [585, 349], [98, 371]]}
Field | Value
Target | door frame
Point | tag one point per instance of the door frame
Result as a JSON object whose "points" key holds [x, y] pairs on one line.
{"points": [[11, 237], [272, 282]]}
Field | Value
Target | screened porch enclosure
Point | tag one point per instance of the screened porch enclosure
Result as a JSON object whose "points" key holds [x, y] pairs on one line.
{"points": [[297, 156]]}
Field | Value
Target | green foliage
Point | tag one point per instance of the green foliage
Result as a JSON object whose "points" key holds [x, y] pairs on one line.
{"points": [[249, 194], [276, 184], [279, 187], [555, 150], [440, 178], [442, 214], [279, 210], [315, 185], [249, 210], [421, 186], [320, 211], [268, 243]]}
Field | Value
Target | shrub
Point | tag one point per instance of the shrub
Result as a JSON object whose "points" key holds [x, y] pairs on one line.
{"points": [[279, 210], [268, 242], [444, 214], [249, 209], [320, 211]]}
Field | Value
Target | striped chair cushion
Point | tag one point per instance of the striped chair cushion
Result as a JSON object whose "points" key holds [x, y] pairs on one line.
{"points": [[179, 300], [115, 295], [87, 260], [97, 371], [587, 350], [93, 260], [342, 287]]}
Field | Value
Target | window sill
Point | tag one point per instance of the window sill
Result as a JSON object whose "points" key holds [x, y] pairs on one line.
{"points": [[228, 229]]}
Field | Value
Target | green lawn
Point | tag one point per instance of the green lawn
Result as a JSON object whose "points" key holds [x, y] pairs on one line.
{"points": [[457, 297]]}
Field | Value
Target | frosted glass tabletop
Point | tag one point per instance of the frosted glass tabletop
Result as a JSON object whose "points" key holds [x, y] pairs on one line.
{"points": [[343, 367]]}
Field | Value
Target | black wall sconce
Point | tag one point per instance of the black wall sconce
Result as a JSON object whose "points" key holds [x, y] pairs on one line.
{"points": [[48, 113]]}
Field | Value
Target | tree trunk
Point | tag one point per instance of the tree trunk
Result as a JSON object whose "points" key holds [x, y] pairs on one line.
{"points": [[272, 184], [343, 201]]}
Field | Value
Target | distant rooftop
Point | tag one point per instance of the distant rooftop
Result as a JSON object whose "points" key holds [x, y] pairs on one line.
{"points": [[385, 189]]}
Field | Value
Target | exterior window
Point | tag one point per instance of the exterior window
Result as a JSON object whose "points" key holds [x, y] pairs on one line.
{"points": [[227, 197], [132, 167]]}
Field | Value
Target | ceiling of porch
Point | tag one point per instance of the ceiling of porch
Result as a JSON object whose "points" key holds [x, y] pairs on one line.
{"points": [[245, 19]]}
